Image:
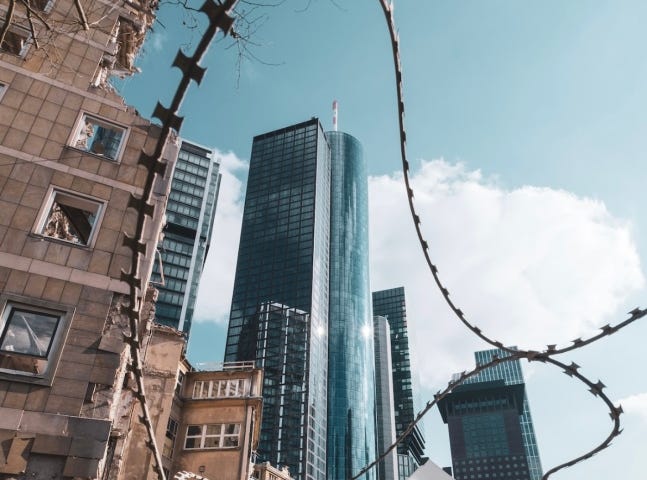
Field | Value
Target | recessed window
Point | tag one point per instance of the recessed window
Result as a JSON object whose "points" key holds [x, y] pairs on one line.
{"points": [[30, 337], [70, 218], [219, 435], [3, 88], [16, 40], [42, 5], [99, 137], [169, 440]]}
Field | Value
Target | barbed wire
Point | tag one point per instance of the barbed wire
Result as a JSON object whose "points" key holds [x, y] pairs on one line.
{"points": [[218, 20], [545, 356]]}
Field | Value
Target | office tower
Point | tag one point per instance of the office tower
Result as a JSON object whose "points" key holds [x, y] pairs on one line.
{"points": [[511, 373], [279, 311], [391, 304], [385, 411], [484, 430], [351, 387], [190, 211]]}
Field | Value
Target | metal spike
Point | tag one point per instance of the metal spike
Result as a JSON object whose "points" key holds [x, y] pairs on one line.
{"points": [[189, 67], [167, 117]]}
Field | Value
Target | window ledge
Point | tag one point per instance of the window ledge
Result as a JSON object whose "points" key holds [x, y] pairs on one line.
{"points": [[92, 154], [41, 237]]}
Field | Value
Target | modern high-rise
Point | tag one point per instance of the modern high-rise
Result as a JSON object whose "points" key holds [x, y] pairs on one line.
{"points": [[351, 385], [387, 469], [391, 304], [279, 311], [511, 373], [190, 212], [490, 425], [485, 431]]}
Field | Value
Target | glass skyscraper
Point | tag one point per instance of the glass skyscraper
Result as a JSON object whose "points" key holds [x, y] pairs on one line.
{"points": [[279, 311], [190, 211], [391, 304], [351, 385], [511, 373]]}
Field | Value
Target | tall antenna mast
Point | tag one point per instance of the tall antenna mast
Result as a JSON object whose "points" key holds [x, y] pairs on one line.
{"points": [[334, 115]]}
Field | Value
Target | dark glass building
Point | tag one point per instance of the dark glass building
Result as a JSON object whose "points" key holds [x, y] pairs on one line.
{"points": [[391, 304], [279, 311], [485, 432], [511, 374], [190, 211], [351, 386]]}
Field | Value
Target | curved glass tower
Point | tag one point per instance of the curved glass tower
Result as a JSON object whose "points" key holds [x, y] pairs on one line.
{"points": [[351, 389]]}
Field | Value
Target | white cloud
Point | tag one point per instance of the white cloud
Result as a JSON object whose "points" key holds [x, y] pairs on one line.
{"points": [[635, 405], [529, 266], [217, 280]]}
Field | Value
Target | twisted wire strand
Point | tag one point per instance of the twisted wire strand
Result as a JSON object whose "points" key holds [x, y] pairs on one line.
{"points": [[219, 20], [530, 355]]}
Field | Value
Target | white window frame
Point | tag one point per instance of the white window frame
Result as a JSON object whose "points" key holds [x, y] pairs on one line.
{"points": [[79, 134], [226, 388], [222, 436], [9, 304], [73, 199]]}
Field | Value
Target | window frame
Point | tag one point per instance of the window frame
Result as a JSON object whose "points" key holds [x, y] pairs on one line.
{"points": [[56, 192], [203, 436], [223, 388], [9, 303], [3, 88], [81, 122], [22, 32]]}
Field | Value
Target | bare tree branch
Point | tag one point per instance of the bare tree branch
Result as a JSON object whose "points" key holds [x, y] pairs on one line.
{"points": [[82, 17], [7, 22]]}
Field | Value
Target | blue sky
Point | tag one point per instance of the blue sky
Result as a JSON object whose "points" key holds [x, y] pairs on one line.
{"points": [[526, 126]]}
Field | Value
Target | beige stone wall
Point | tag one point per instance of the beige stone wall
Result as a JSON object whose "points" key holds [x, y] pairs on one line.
{"points": [[43, 97]]}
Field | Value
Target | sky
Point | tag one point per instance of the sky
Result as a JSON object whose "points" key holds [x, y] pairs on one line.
{"points": [[526, 131]]}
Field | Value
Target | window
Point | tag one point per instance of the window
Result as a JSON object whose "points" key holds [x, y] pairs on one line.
{"points": [[70, 217], [16, 40], [169, 440], [219, 435], [99, 137], [3, 88], [219, 388], [31, 333]]}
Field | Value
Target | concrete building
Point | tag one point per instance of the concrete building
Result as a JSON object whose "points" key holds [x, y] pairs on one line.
{"points": [[187, 235], [265, 471], [207, 422], [69, 164], [391, 304], [384, 403]]}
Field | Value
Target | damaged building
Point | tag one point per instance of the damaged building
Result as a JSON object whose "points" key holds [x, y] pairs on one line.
{"points": [[69, 151]]}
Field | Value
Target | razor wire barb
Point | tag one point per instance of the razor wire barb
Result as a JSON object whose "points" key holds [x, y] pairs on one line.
{"points": [[219, 20], [545, 356]]}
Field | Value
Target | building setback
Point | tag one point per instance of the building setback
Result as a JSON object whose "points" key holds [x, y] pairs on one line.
{"points": [[279, 311], [391, 305], [385, 411], [189, 213], [351, 385]]}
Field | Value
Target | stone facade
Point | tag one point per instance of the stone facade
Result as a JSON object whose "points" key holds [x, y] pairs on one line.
{"points": [[69, 150]]}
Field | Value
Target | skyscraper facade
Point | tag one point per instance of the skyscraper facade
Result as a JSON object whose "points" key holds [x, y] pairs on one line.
{"points": [[485, 432], [387, 469], [351, 387], [391, 304], [511, 374], [279, 311], [190, 212]]}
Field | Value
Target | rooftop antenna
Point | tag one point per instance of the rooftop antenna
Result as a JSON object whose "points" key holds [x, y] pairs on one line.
{"points": [[334, 115]]}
